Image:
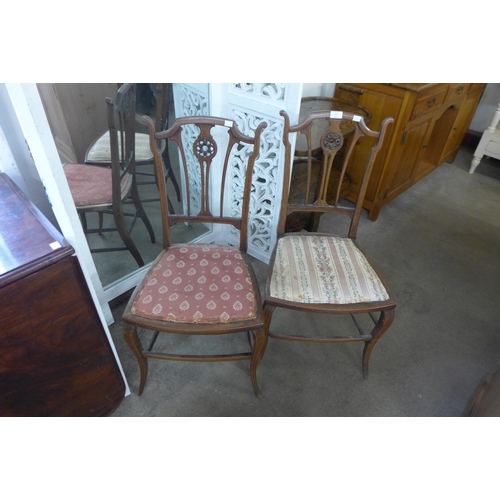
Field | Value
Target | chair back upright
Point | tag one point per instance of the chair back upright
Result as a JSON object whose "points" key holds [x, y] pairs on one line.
{"points": [[206, 140], [121, 123], [340, 133], [162, 106]]}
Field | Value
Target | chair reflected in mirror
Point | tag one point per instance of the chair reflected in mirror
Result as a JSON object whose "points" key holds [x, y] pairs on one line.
{"points": [[112, 189], [327, 272], [201, 289], [99, 152]]}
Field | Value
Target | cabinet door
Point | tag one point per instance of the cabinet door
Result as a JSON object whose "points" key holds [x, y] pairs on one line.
{"points": [[411, 145], [381, 106], [460, 126]]}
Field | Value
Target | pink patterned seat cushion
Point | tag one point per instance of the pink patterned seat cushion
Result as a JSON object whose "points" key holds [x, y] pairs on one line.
{"points": [[197, 284], [90, 185], [323, 270]]}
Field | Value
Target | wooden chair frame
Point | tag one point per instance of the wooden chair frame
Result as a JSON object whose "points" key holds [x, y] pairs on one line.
{"points": [[318, 204], [255, 325]]}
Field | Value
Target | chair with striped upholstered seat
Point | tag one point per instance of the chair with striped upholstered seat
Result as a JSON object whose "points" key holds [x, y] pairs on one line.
{"points": [[323, 272]]}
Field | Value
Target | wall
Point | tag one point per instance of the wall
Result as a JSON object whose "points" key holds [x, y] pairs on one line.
{"points": [[318, 89], [16, 160], [486, 108]]}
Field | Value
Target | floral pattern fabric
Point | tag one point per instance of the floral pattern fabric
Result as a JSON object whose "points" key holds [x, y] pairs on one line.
{"points": [[197, 284], [90, 185], [323, 270]]}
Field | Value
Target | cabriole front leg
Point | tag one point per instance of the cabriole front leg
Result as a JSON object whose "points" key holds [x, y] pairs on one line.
{"points": [[257, 354], [383, 323], [133, 341]]}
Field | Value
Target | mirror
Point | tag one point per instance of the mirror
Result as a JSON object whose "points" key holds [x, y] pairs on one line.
{"points": [[77, 115]]}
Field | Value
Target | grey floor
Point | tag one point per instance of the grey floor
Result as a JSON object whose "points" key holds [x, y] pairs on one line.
{"points": [[437, 246]]}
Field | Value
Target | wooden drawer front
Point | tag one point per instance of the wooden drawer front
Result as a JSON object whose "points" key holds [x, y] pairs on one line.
{"points": [[456, 90], [428, 102], [493, 147]]}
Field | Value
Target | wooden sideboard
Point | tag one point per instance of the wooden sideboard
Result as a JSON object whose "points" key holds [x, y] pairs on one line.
{"points": [[431, 120], [55, 357]]}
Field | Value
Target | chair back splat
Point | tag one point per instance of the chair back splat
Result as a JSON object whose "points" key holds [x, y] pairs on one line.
{"points": [[321, 193], [322, 272], [203, 151], [199, 288]]}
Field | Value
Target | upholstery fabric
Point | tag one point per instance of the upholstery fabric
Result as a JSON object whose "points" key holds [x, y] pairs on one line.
{"points": [[323, 270], [100, 152], [90, 185], [197, 284]]}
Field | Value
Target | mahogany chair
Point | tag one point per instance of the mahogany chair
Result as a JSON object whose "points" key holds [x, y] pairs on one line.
{"points": [[99, 152], [97, 188], [200, 288], [322, 272]]}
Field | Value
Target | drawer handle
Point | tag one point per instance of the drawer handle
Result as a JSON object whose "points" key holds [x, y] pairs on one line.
{"points": [[431, 102]]}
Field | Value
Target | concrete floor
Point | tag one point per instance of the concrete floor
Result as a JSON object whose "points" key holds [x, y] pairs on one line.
{"points": [[437, 246]]}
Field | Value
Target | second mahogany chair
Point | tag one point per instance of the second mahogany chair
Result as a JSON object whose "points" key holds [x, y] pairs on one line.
{"points": [[325, 272], [201, 288]]}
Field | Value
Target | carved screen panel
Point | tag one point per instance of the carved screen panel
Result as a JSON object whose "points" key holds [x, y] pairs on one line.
{"points": [[191, 100], [273, 91], [249, 104], [264, 203]]}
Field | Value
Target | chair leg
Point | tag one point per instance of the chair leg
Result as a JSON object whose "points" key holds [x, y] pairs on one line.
{"points": [[258, 353], [134, 193], [133, 341], [383, 323], [121, 226], [83, 220], [267, 316]]}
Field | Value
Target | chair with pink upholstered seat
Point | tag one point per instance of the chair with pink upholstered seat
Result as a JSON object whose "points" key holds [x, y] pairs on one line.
{"points": [[109, 190], [325, 272], [201, 288]]}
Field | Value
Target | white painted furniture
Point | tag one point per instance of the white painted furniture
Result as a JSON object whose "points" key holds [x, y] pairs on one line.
{"points": [[489, 145]]}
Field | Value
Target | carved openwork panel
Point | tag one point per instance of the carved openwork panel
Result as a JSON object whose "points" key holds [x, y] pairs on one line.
{"points": [[191, 101], [263, 203], [332, 141], [273, 91]]}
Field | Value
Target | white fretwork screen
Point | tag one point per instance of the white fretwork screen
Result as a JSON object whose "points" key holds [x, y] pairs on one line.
{"points": [[248, 104], [191, 100]]}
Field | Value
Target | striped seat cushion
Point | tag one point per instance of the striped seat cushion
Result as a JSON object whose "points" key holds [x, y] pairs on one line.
{"points": [[323, 270], [91, 185], [100, 152], [197, 284]]}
